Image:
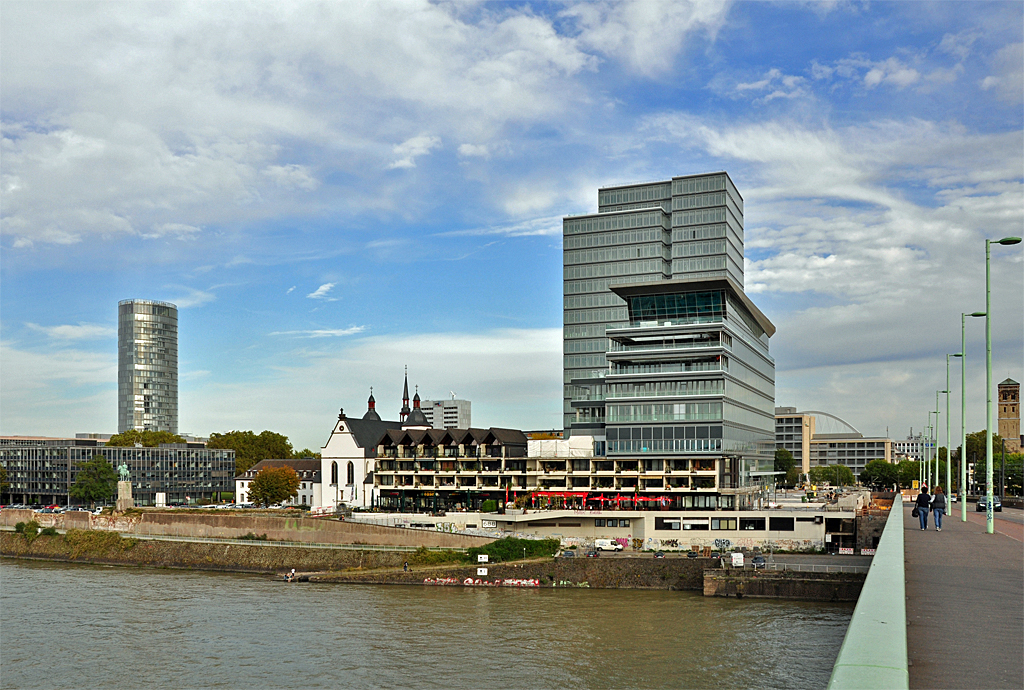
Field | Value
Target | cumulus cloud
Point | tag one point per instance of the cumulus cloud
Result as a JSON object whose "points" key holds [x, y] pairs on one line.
{"points": [[1008, 81], [774, 84], [647, 36], [410, 149], [470, 150]]}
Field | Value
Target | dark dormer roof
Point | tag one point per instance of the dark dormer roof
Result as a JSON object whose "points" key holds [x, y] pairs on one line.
{"points": [[371, 415], [1009, 382], [367, 432]]}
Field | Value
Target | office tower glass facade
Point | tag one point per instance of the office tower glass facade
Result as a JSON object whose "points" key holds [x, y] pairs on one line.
{"points": [[147, 366], [658, 332]]}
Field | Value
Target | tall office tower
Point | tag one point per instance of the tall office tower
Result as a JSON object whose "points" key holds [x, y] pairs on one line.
{"points": [[658, 328], [447, 414], [147, 366]]}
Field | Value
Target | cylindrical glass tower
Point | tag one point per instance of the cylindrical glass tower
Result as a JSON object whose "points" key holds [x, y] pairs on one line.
{"points": [[147, 366]]}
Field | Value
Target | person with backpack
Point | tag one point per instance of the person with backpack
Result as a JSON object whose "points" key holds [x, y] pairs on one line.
{"points": [[921, 505], [938, 506]]}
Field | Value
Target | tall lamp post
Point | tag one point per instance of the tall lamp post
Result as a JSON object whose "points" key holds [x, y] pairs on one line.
{"points": [[949, 451], [963, 412], [989, 518]]}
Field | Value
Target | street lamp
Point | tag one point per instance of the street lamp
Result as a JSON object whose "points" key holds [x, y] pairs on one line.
{"points": [[989, 518], [963, 412], [949, 453]]}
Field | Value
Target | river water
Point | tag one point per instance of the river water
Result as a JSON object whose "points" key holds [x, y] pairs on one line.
{"points": [[83, 626]]}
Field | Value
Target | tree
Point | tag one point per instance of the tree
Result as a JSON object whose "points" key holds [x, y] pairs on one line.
{"points": [[4, 484], [880, 474], [96, 480], [250, 448], [305, 453], [273, 485], [908, 472], [149, 439], [836, 475]]}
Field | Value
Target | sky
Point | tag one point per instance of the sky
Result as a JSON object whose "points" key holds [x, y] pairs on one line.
{"points": [[330, 192]]}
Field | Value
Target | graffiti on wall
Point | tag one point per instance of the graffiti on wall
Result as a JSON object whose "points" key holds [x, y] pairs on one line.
{"points": [[723, 544]]}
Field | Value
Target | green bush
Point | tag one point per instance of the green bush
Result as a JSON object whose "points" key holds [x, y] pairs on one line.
{"points": [[49, 531], [425, 556], [489, 506], [512, 549], [20, 528]]}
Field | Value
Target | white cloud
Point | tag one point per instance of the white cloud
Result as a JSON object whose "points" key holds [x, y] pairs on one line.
{"points": [[81, 331], [178, 230], [321, 292], [291, 176], [647, 36], [774, 85], [470, 150], [892, 71], [511, 376], [323, 333], [548, 225], [194, 298], [411, 149], [1009, 78], [290, 290]]}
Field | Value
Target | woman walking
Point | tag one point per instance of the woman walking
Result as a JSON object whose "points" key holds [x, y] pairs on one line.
{"points": [[922, 503], [938, 506]]}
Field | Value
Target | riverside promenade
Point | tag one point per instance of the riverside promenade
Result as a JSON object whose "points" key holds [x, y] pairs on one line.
{"points": [[965, 603]]}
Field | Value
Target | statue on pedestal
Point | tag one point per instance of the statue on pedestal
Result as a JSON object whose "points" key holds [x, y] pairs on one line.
{"points": [[122, 470]]}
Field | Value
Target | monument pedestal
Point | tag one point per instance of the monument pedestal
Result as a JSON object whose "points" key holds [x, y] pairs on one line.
{"points": [[124, 496]]}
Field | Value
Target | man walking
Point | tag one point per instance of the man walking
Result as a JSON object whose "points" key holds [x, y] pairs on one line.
{"points": [[921, 505]]}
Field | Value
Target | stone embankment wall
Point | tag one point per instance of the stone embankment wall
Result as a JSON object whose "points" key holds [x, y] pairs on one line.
{"points": [[234, 524], [594, 573], [783, 585], [110, 549]]}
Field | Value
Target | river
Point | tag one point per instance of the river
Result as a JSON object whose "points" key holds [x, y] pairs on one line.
{"points": [[83, 626]]}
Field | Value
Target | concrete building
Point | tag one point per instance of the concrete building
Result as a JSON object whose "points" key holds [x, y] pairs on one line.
{"points": [[310, 492], [912, 447], [447, 414], [41, 469], [1009, 414], [818, 439], [666, 360], [147, 366]]}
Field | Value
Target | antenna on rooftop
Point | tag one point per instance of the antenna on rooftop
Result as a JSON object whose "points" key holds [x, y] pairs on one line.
{"points": [[453, 394]]}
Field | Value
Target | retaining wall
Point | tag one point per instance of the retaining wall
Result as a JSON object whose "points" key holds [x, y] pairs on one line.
{"points": [[783, 585], [233, 524]]}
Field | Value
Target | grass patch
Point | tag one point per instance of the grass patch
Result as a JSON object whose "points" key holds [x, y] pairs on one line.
{"points": [[512, 549], [425, 556], [94, 542]]}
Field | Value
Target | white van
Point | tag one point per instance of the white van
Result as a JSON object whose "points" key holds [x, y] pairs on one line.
{"points": [[607, 545]]}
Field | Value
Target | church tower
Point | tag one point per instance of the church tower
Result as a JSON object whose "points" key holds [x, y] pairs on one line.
{"points": [[1009, 414], [404, 414]]}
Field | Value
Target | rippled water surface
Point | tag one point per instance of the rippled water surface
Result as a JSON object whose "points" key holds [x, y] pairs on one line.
{"points": [[79, 626]]}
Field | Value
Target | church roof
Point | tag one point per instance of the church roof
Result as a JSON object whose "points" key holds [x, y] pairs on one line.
{"points": [[417, 418], [1009, 382]]}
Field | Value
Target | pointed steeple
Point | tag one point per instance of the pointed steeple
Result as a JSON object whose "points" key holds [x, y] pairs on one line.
{"points": [[416, 399], [405, 398]]}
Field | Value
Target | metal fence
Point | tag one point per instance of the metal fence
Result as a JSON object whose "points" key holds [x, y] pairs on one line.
{"points": [[818, 568]]}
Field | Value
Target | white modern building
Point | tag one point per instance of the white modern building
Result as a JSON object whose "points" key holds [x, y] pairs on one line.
{"points": [[447, 414]]}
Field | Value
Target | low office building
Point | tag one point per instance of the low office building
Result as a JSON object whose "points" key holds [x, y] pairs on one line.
{"points": [[41, 470], [448, 414], [309, 473], [818, 439]]}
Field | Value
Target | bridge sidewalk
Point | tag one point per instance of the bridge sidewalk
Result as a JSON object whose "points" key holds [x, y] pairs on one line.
{"points": [[965, 606]]}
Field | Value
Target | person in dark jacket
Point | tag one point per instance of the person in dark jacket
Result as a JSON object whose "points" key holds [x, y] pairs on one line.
{"points": [[923, 502], [938, 505]]}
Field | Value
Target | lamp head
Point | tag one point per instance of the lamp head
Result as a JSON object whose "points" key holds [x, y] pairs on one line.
{"points": [[978, 313], [1008, 240], [958, 354]]}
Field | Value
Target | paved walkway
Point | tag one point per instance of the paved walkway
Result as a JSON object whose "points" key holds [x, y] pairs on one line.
{"points": [[965, 605]]}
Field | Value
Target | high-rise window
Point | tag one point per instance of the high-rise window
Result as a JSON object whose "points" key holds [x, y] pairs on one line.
{"points": [[147, 366]]}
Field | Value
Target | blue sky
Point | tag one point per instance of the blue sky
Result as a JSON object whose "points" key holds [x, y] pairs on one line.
{"points": [[332, 191]]}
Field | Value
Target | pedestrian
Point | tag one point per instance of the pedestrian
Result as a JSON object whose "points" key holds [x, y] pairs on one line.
{"points": [[407, 566], [922, 503], [938, 505]]}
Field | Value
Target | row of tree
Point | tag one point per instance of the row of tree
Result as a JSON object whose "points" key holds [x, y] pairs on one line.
{"points": [[251, 447]]}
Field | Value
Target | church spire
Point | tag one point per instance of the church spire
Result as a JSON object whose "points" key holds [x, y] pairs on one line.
{"points": [[405, 398]]}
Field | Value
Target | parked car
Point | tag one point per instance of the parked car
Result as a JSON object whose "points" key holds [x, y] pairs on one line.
{"points": [[982, 506], [692, 554], [593, 554], [659, 554], [568, 554], [758, 561]]}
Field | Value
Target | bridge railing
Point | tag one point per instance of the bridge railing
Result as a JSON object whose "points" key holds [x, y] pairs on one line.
{"points": [[874, 651]]}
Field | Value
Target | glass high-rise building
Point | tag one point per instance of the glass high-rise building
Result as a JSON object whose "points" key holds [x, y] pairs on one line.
{"points": [[665, 358], [147, 366]]}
